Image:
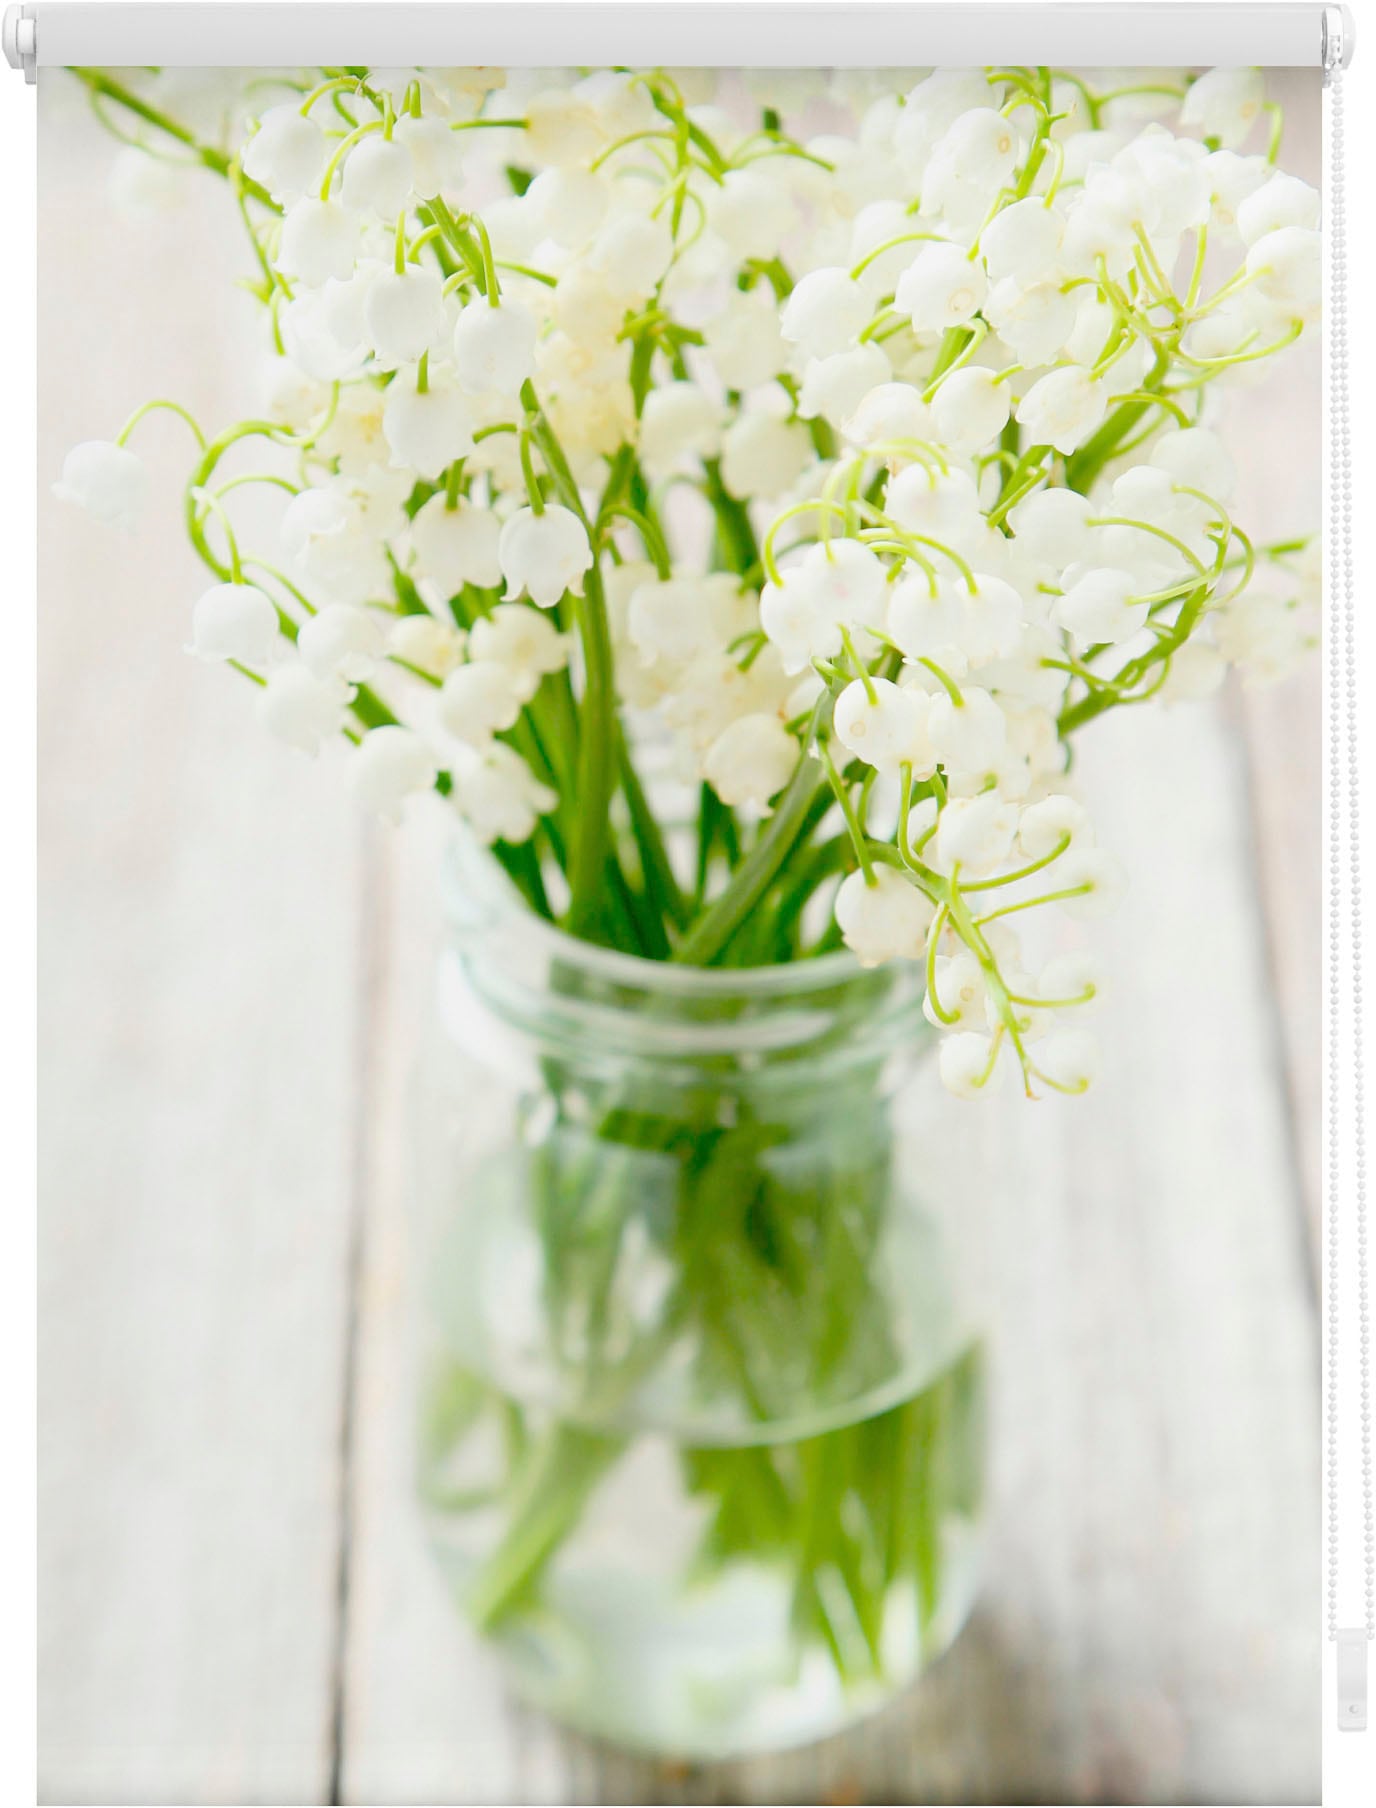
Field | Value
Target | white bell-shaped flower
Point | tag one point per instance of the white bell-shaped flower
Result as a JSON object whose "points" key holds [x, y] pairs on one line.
{"points": [[943, 505], [494, 348], [1069, 1059], [497, 794], [966, 1061], [1022, 241], [235, 621], [969, 736], [834, 387], [378, 175], [1095, 877], [1100, 607], [1225, 104], [431, 646], [825, 313], [975, 833], [890, 414], [942, 287], [1053, 822], [1198, 458], [1287, 270], [433, 148], [883, 918], [456, 546], [752, 212], [287, 154], [479, 700], [301, 709], [568, 206], [344, 640], [1034, 322], [544, 555], [426, 429], [1283, 201], [389, 765], [833, 586], [751, 761], [107, 480], [319, 241], [884, 725], [1052, 528], [522, 639], [631, 255], [958, 982], [679, 421], [970, 409], [404, 314], [1063, 408], [743, 340], [323, 330], [763, 456]]}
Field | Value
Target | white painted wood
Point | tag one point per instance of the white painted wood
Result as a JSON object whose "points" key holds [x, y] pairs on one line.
{"points": [[199, 1019]]}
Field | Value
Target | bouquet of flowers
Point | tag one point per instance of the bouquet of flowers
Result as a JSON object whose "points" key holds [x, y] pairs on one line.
{"points": [[731, 495], [839, 448]]}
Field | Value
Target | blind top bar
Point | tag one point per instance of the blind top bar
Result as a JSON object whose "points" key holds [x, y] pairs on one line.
{"points": [[708, 33]]}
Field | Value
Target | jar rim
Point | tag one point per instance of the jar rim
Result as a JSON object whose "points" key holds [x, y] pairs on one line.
{"points": [[474, 878]]}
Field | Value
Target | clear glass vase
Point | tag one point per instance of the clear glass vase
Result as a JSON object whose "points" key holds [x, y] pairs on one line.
{"points": [[702, 1428]]}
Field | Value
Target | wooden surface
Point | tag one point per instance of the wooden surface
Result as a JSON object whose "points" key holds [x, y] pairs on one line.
{"points": [[235, 1602]]}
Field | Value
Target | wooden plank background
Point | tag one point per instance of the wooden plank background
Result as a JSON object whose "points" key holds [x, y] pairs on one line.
{"points": [[235, 1601]]}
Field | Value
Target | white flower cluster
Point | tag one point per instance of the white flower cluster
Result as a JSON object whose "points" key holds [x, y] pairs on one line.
{"points": [[841, 445]]}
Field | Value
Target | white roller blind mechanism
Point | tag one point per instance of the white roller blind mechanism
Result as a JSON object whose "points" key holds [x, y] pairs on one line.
{"points": [[818, 35]]}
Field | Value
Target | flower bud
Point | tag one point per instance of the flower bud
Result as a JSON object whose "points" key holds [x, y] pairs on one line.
{"points": [[235, 621], [301, 709], [966, 1061], [106, 480], [390, 765], [344, 640]]}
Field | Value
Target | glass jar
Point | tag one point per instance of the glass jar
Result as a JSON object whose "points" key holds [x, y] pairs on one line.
{"points": [[702, 1426]]}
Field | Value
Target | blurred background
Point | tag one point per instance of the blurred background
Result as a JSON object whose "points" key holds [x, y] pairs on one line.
{"points": [[235, 1601]]}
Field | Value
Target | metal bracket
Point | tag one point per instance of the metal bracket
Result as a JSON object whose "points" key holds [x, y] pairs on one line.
{"points": [[1352, 1643], [19, 38], [1338, 40]]}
